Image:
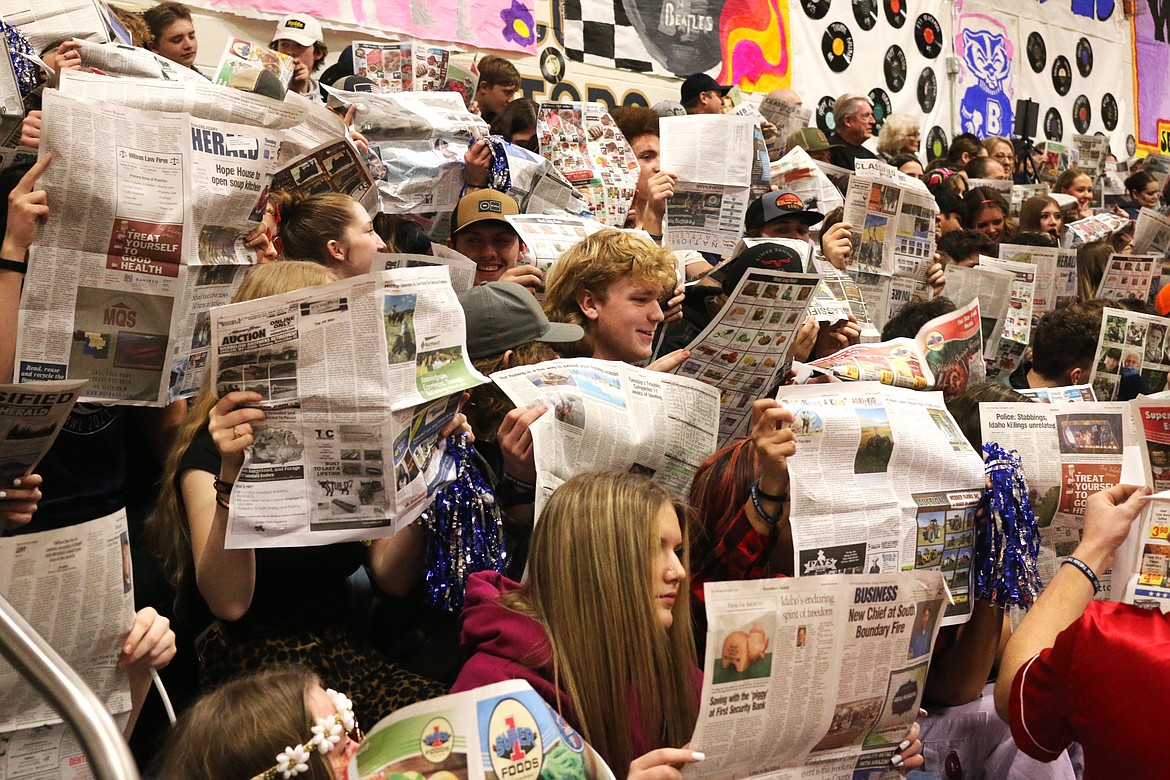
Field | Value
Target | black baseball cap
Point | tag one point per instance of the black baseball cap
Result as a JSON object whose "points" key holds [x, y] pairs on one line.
{"points": [[774, 257], [777, 204], [698, 83]]}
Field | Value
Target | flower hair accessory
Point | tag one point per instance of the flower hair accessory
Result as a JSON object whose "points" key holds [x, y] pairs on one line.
{"points": [[327, 733]]}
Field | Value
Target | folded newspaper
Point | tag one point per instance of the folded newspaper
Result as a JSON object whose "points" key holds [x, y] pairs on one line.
{"points": [[31, 416]]}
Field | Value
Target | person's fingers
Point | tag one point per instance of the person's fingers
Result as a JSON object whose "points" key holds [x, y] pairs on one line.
{"points": [[669, 362], [665, 757], [142, 620], [28, 481], [350, 113], [25, 185]]}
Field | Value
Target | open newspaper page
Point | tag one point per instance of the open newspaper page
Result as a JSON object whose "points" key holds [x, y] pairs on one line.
{"points": [[1068, 394], [991, 286], [1130, 276], [842, 288], [240, 54], [1056, 274], [75, 587], [48, 22], [547, 238], [1090, 153], [712, 158], [1005, 354], [412, 116], [100, 293], [798, 172], [787, 118], [539, 188], [1144, 561], [499, 731], [947, 354], [418, 177], [31, 416], [201, 99], [747, 345], [336, 166], [1068, 452], [1131, 351], [1151, 233], [350, 448], [461, 267], [1022, 192], [118, 59], [1054, 159], [813, 677], [402, 67], [604, 414], [1099, 227], [882, 481]]}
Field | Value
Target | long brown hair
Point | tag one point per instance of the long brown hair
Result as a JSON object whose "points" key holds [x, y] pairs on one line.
{"points": [[1032, 208], [308, 223], [590, 568], [167, 534], [235, 731]]}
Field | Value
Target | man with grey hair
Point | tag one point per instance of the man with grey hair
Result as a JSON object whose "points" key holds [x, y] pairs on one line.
{"points": [[854, 117]]}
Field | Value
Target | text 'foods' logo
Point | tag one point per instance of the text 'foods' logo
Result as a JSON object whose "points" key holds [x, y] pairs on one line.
{"points": [[295, 23], [120, 316], [437, 740], [490, 205], [516, 750]]}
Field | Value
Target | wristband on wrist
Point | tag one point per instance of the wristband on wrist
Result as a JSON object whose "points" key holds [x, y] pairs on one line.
{"points": [[223, 488], [16, 266], [769, 496], [757, 496], [221, 500], [1086, 570]]}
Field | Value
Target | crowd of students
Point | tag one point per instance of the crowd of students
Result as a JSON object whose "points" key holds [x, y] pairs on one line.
{"points": [[608, 625]]}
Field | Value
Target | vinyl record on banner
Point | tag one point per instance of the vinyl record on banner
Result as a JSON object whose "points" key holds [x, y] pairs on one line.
{"points": [[1061, 75], [895, 12], [866, 13], [552, 65], [936, 143], [927, 90], [1130, 146], [1037, 52], [1053, 125], [1084, 57], [928, 35], [1082, 114], [837, 47], [895, 67], [1109, 111], [815, 9], [882, 107], [825, 119]]}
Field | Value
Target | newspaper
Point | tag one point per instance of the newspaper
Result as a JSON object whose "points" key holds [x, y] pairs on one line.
{"points": [[48, 22], [1157, 165], [1143, 563], [205, 288], [1068, 452], [201, 99], [1054, 160], [75, 587], [945, 355], [787, 118], [1099, 227], [118, 59], [547, 238], [903, 479], [412, 116], [798, 172], [1002, 186], [1056, 275], [419, 176], [1062, 395], [336, 166], [893, 226], [1022, 192], [339, 424], [583, 142], [1090, 153], [402, 67], [604, 414], [1130, 276], [539, 188], [1005, 354], [712, 158], [746, 349], [461, 79], [239, 55], [1131, 348], [505, 730], [1151, 233], [461, 267], [31, 416], [821, 672]]}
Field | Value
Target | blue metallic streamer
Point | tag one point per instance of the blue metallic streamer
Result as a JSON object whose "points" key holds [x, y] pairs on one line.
{"points": [[28, 74], [1007, 541], [499, 175], [465, 531]]}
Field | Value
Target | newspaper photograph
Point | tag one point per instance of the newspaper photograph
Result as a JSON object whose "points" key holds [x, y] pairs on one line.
{"points": [[1131, 349], [604, 414], [1056, 274], [825, 672], [745, 348], [1130, 276], [905, 484], [582, 141], [350, 448], [402, 67], [239, 55], [1005, 354], [505, 730], [798, 172], [1055, 158], [1068, 453], [333, 167], [42, 576], [31, 416], [712, 158], [947, 355], [1059, 395]]}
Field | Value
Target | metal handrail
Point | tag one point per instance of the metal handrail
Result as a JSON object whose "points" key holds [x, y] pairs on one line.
{"points": [[109, 756]]}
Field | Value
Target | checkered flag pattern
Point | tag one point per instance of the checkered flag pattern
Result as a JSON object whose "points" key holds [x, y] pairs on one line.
{"points": [[608, 39]]}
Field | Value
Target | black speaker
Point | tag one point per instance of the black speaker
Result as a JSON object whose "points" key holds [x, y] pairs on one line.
{"points": [[1027, 119]]}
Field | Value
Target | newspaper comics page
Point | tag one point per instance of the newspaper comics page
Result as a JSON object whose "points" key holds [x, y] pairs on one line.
{"points": [[75, 587], [903, 479], [605, 414], [31, 416], [499, 731], [817, 672]]}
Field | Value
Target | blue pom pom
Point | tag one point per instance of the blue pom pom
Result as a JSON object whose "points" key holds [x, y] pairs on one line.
{"points": [[1007, 541], [499, 175]]}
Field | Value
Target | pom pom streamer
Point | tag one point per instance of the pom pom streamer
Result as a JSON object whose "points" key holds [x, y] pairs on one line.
{"points": [[1007, 542], [465, 532], [499, 175]]}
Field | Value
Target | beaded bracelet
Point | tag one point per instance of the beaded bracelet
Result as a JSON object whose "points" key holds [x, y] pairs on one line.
{"points": [[1085, 570]]}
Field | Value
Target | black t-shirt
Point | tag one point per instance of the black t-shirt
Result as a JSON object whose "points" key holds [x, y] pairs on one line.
{"points": [[848, 154], [296, 587]]}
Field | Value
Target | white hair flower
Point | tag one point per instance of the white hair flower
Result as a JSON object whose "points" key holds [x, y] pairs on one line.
{"points": [[292, 761]]}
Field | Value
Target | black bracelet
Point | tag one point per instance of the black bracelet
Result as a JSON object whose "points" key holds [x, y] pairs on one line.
{"points": [[519, 484], [16, 266], [768, 496], [1085, 570], [224, 488], [770, 519]]}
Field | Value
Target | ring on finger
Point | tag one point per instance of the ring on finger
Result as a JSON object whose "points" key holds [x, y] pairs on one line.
{"points": [[236, 431]]}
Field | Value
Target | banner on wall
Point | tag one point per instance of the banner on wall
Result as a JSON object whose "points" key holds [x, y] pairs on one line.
{"points": [[985, 44], [1151, 50], [506, 25]]}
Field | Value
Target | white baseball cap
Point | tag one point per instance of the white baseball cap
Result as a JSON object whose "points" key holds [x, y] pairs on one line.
{"points": [[299, 28]]}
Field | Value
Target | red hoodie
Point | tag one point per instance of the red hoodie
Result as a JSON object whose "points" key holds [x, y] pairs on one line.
{"points": [[505, 645]]}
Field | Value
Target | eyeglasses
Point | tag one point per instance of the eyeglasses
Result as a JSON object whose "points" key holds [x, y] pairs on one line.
{"points": [[1004, 157]]}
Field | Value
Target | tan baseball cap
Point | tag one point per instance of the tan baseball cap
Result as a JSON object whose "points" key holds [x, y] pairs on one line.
{"points": [[482, 205]]}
